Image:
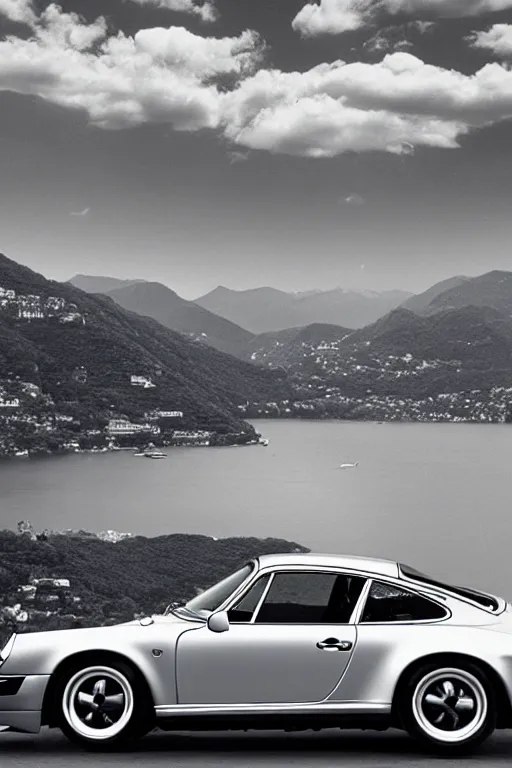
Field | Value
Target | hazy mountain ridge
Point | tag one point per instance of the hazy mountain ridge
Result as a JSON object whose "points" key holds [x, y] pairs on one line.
{"points": [[421, 301], [100, 284], [253, 309], [263, 310], [170, 310], [206, 319], [85, 365]]}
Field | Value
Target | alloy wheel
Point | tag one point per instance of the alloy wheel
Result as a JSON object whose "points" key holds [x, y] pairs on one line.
{"points": [[98, 703], [450, 705]]}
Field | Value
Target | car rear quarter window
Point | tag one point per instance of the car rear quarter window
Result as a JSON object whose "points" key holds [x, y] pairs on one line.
{"points": [[388, 603], [481, 598]]}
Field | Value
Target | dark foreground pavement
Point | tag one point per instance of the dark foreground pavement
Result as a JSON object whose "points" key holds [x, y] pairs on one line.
{"points": [[350, 749]]}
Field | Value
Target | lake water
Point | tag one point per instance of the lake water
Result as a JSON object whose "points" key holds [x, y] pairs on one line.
{"points": [[436, 496]]}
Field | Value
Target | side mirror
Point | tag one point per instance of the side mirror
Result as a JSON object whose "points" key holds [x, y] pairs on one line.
{"points": [[218, 622]]}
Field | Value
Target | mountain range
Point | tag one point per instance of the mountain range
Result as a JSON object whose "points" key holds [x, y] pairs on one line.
{"points": [[228, 319], [264, 310], [305, 316]]}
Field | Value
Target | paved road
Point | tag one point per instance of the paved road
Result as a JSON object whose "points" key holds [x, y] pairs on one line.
{"points": [[329, 749]]}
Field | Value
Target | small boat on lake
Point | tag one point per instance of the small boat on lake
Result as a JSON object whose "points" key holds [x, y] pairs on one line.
{"points": [[349, 466], [151, 452], [155, 453]]}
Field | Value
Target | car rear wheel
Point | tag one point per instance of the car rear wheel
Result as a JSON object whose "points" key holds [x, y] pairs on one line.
{"points": [[450, 708], [103, 706]]}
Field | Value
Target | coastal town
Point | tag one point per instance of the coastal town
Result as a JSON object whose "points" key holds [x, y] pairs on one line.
{"points": [[72, 415], [359, 382], [476, 406], [32, 424]]}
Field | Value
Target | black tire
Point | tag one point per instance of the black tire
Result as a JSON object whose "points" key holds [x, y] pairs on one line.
{"points": [[461, 710], [103, 705]]}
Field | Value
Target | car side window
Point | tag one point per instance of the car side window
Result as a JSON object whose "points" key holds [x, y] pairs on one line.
{"points": [[242, 611], [387, 603], [310, 598]]}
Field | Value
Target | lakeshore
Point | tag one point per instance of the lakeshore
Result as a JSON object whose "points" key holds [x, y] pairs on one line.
{"points": [[24, 435], [421, 493]]}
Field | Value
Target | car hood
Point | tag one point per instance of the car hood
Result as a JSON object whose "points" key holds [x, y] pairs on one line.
{"points": [[38, 652], [143, 623]]}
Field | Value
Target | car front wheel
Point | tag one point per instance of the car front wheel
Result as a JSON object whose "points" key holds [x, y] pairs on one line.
{"points": [[103, 706], [451, 709]]}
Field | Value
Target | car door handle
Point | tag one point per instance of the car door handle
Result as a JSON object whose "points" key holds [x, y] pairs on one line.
{"points": [[333, 644]]}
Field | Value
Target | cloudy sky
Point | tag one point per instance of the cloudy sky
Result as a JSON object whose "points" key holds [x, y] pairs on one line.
{"points": [[364, 143]]}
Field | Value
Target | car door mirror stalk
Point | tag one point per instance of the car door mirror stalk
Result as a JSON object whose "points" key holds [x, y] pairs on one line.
{"points": [[218, 622]]}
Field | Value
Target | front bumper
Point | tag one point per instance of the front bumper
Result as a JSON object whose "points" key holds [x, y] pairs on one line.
{"points": [[21, 711]]}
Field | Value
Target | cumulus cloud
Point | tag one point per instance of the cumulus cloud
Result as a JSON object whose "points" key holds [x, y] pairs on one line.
{"points": [[395, 105], [332, 17], [206, 11], [21, 11], [336, 16], [497, 39], [58, 30], [158, 75], [173, 77]]}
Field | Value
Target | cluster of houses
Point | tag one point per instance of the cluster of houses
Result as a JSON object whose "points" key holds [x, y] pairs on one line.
{"points": [[122, 426], [34, 307], [41, 597], [9, 402]]}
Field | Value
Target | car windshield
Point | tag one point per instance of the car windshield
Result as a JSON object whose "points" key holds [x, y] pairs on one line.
{"points": [[486, 601], [212, 598]]}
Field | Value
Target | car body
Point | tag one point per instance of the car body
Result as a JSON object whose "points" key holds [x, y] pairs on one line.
{"points": [[292, 641]]}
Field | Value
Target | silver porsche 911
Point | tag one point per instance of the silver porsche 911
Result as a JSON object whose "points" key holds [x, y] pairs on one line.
{"points": [[294, 642]]}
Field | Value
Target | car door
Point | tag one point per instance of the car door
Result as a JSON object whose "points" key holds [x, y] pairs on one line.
{"points": [[389, 637], [290, 640]]}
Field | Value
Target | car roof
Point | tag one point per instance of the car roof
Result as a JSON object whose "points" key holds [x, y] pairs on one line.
{"points": [[350, 562]]}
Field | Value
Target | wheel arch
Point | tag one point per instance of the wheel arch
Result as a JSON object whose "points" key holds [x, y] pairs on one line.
{"points": [[49, 711], [504, 704]]}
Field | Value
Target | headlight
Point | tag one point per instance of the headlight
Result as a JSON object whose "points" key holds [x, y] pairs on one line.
{"points": [[6, 650]]}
